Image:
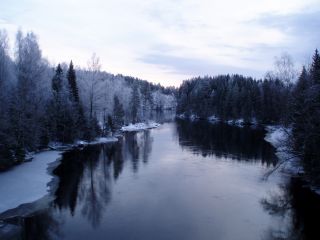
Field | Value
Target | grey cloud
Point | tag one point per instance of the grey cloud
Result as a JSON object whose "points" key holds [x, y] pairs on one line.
{"points": [[301, 28], [195, 67], [302, 22]]}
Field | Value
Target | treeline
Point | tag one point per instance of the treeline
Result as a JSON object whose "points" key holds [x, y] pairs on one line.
{"points": [[41, 103], [230, 97], [295, 104], [305, 118]]}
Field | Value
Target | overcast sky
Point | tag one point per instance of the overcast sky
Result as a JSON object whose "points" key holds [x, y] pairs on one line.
{"points": [[168, 41]]}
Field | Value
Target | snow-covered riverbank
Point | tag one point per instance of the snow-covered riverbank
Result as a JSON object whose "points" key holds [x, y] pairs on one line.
{"points": [[26, 182], [29, 181], [140, 126], [214, 119], [278, 136]]}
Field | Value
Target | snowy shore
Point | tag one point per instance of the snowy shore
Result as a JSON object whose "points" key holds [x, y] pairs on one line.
{"points": [[277, 136], [26, 182], [139, 126], [30, 181], [214, 119]]}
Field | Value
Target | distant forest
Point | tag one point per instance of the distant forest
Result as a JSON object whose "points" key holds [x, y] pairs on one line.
{"points": [[41, 103], [278, 99]]}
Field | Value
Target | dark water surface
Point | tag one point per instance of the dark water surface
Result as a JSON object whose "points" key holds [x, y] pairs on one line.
{"points": [[183, 181]]}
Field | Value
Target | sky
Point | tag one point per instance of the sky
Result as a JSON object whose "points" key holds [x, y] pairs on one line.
{"points": [[168, 41]]}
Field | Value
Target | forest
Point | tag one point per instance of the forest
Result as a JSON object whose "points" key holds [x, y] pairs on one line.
{"points": [[278, 99], [41, 103]]}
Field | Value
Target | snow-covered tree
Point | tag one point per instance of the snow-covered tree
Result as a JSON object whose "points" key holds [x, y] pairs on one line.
{"points": [[27, 103], [118, 113]]}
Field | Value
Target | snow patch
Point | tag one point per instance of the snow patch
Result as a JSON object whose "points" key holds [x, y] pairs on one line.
{"points": [[100, 140], [237, 122], [213, 119], [27, 182], [139, 126], [81, 143], [192, 117], [277, 136]]}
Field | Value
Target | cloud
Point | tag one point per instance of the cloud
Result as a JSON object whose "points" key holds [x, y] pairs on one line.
{"points": [[298, 23], [169, 40], [194, 66]]}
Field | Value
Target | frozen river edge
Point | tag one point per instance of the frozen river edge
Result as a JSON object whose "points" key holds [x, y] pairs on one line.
{"points": [[28, 186]]}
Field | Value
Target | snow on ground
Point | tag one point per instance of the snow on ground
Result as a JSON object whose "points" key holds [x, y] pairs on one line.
{"points": [[192, 117], [277, 136], [241, 122], [237, 122], [79, 143], [139, 126], [97, 141], [213, 119], [26, 182]]}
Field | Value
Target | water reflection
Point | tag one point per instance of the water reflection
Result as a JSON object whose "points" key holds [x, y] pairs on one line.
{"points": [[163, 116], [142, 188], [298, 206], [221, 140], [86, 176], [42, 225]]}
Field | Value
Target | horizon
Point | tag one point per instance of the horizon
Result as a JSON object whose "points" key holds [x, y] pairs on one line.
{"points": [[169, 42]]}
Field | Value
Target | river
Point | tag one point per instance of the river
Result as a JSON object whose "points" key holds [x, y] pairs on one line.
{"points": [[183, 180]]}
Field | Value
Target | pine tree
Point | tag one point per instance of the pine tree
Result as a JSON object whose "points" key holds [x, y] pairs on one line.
{"points": [[110, 123], [71, 75], [315, 67], [299, 111], [80, 120], [57, 80], [135, 104], [118, 113]]}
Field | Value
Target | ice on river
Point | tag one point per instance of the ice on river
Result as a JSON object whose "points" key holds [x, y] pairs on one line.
{"points": [[27, 182]]}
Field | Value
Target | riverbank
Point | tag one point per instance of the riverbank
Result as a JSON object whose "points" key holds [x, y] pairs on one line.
{"points": [[26, 182], [278, 136], [139, 126], [31, 180], [214, 119]]}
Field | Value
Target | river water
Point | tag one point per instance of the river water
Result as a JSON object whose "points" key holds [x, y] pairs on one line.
{"points": [[183, 180]]}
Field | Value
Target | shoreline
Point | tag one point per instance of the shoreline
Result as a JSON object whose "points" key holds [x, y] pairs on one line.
{"points": [[29, 204], [276, 135]]}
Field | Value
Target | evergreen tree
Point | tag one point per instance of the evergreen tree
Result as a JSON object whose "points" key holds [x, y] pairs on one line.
{"points": [[135, 104], [60, 111], [299, 111], [80, 120], [311, 151], [110, 123], [71, 75], [315, 67], [118, 113], [57, 80]]}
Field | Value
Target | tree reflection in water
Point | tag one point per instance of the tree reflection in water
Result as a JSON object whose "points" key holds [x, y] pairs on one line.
{"points": [[86, 176], [296, 205], [242, 144]]}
